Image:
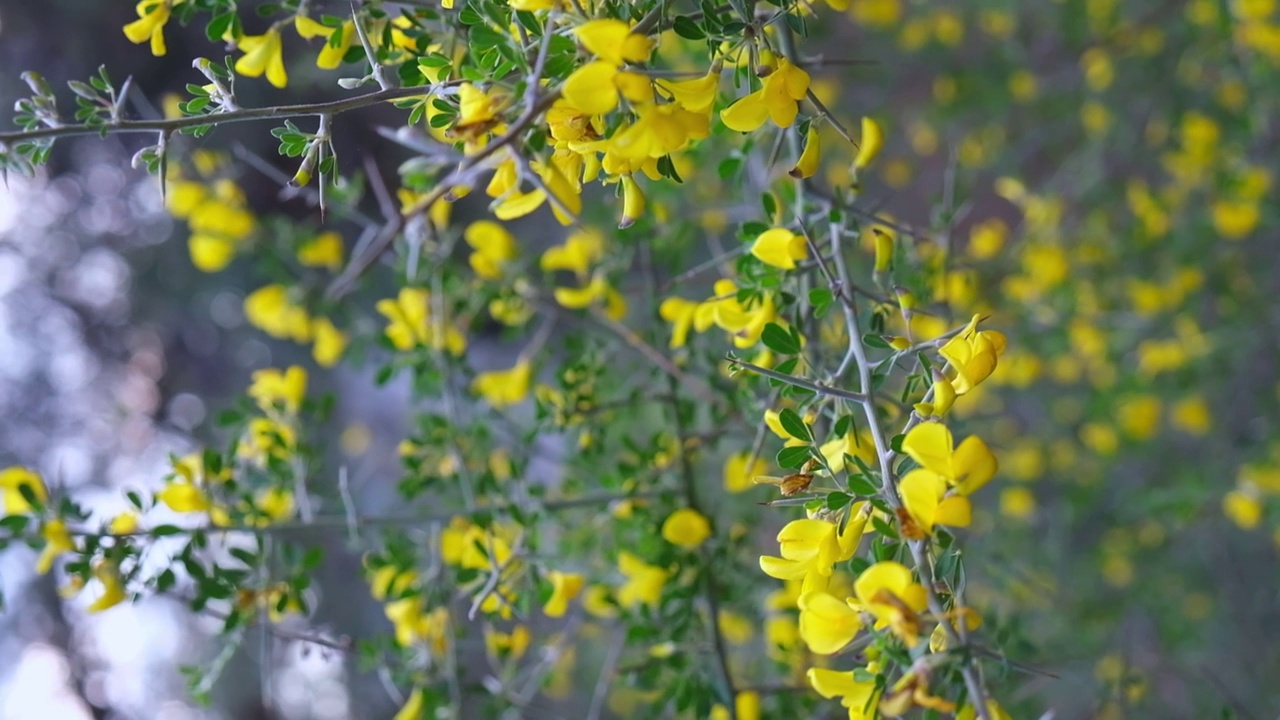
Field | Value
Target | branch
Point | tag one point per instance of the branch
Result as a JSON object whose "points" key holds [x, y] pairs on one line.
{"points": [[346, 521], [798, 381], [332, 107]]}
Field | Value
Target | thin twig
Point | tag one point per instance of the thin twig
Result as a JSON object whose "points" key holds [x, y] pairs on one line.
{"points": [[799, 381], [274, 112]]}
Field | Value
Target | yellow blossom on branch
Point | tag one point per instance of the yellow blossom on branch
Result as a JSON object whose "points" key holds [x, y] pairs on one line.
{"points": [[503, 388], [152, 16], [263, 54], [778, 99], [644, 581], [12, 480], [57, 542]]}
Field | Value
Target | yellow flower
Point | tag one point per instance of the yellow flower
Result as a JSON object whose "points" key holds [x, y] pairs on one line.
{"points": [[330, 342], [1235, 219], [270, 309], [778, 99], [687, 528], [644, 581], [410, 325], [967, 467], [679, 312], [737, 476], [478, 113], [112, 587], [810, 548], [324, 250], [11, 480], [1243, 507], [780, 248], [613, 42], [511, 645], [872, 143], [579, 252], [859, 697], [564, 588], [994, 711], [267, 438], [263, 54], [502, 388], [492, 245], [887, 591], [124, 523], [57, 541], [273, 389], [807, 164], [827, 623], [332, 53], [183, 497], [696, 95], [925, 499], [746, 706], [414, 707], [152, 16], [973, 355]]}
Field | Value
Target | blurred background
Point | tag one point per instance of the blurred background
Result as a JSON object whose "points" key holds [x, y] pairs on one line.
{"points": [[1100, 174]]}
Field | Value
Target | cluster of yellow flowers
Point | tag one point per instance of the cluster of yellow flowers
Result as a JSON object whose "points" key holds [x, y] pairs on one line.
{"points": [[25, 495], [194, 487]]}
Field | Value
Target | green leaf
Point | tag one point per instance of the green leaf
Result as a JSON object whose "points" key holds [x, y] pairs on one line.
{"points": [[842, 425], [218, 26], [794, 425], [686, 28], [875, 341], [165, 530], [729, 167], [837, 500], [884, 528], [793, 457], [862, 486], [821, 297], [779, 340]]}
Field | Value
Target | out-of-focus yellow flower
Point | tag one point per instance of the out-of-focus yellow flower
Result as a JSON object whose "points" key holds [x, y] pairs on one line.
{"points": [[872, 143], [273, 389], [503, 388], [1243, 507], [16, 477], [270, 309], [324, 250], [108, 575], [564, 588], [644, 581], [414, 707], [57, 542], [737, 476], [687, 528], [410, 324], [510, 645], [492, 246], [330, 342]]}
